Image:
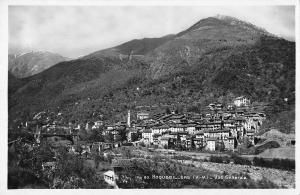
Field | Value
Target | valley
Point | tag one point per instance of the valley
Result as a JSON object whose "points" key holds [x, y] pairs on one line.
{"points": [[217, 97]]}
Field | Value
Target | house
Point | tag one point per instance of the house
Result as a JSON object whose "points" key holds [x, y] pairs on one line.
{"points": [[182, 136], [189, 141], [211, 106], [250, 135], [172, 142], [199, 140], [218, 106], [176, 118], [160, 129], [110, 178], [200, 135], [147, 136], [241, 101], [164, 142], [240, 113], [196, 118], [139, 127], [114, 132], [230, 143], [89, 126], [142, 115], [48, 165], [97, 124], [177, 127], [210, 125], [240, 121], [79, 126], [191, 128], [229, 123], [211, 144], [218, 134], [165, 117], [132, 135], [230, 106], [110, 127], [251, 124], [156, 139]]}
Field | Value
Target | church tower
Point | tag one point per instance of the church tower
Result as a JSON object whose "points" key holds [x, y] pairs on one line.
{"points": [[128, 119]]}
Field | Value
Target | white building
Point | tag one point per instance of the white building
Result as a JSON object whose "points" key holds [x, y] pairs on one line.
{"points": [[191, 128], [110, 178], [229, 143], [147, 136], [142, 115], [211, 144], [241, 101], [97, 124], [160, 129]]}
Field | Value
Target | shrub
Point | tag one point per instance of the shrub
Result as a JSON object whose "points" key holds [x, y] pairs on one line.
{"points": [[240, 160], [216, 159], [285, 164], [271, 144]]}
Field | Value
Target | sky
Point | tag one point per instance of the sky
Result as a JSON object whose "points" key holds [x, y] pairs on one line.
{"points": [[75, 31]]}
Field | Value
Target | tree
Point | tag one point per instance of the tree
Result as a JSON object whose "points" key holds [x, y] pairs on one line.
{"points": [[168, 111], [109, 137], [83, 135], [71, 173], [220, 146], [96, 136]]}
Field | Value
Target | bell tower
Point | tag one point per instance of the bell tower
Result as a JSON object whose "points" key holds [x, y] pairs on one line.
{"points": [[128, 119]]}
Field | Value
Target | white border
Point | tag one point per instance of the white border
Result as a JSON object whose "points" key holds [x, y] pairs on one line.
{"points": [[3, 90], [152, 2]]}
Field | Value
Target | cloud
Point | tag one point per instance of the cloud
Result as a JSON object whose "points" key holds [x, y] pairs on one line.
{"points": [[78, 30]]}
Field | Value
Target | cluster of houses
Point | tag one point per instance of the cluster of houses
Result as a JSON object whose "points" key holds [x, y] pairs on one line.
{"points": [[217, 129]]}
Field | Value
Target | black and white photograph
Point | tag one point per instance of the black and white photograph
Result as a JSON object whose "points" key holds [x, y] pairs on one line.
{"points": [[154, 96]]}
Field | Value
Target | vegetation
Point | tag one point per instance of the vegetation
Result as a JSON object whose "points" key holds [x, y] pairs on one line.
{"points": [[227, 159], [283, 121], [270, 144], [285, 164], [25, 169]]}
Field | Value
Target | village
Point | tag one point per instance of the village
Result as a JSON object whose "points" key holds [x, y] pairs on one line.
{"points": [[222, 130], [218, 129]]}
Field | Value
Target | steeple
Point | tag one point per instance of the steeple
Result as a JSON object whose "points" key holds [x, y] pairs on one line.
{"points": [[128, 119]]}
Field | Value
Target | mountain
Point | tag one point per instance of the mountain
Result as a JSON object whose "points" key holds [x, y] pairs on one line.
{"points": [[215, 59], [28, 64], [205, 37]]}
